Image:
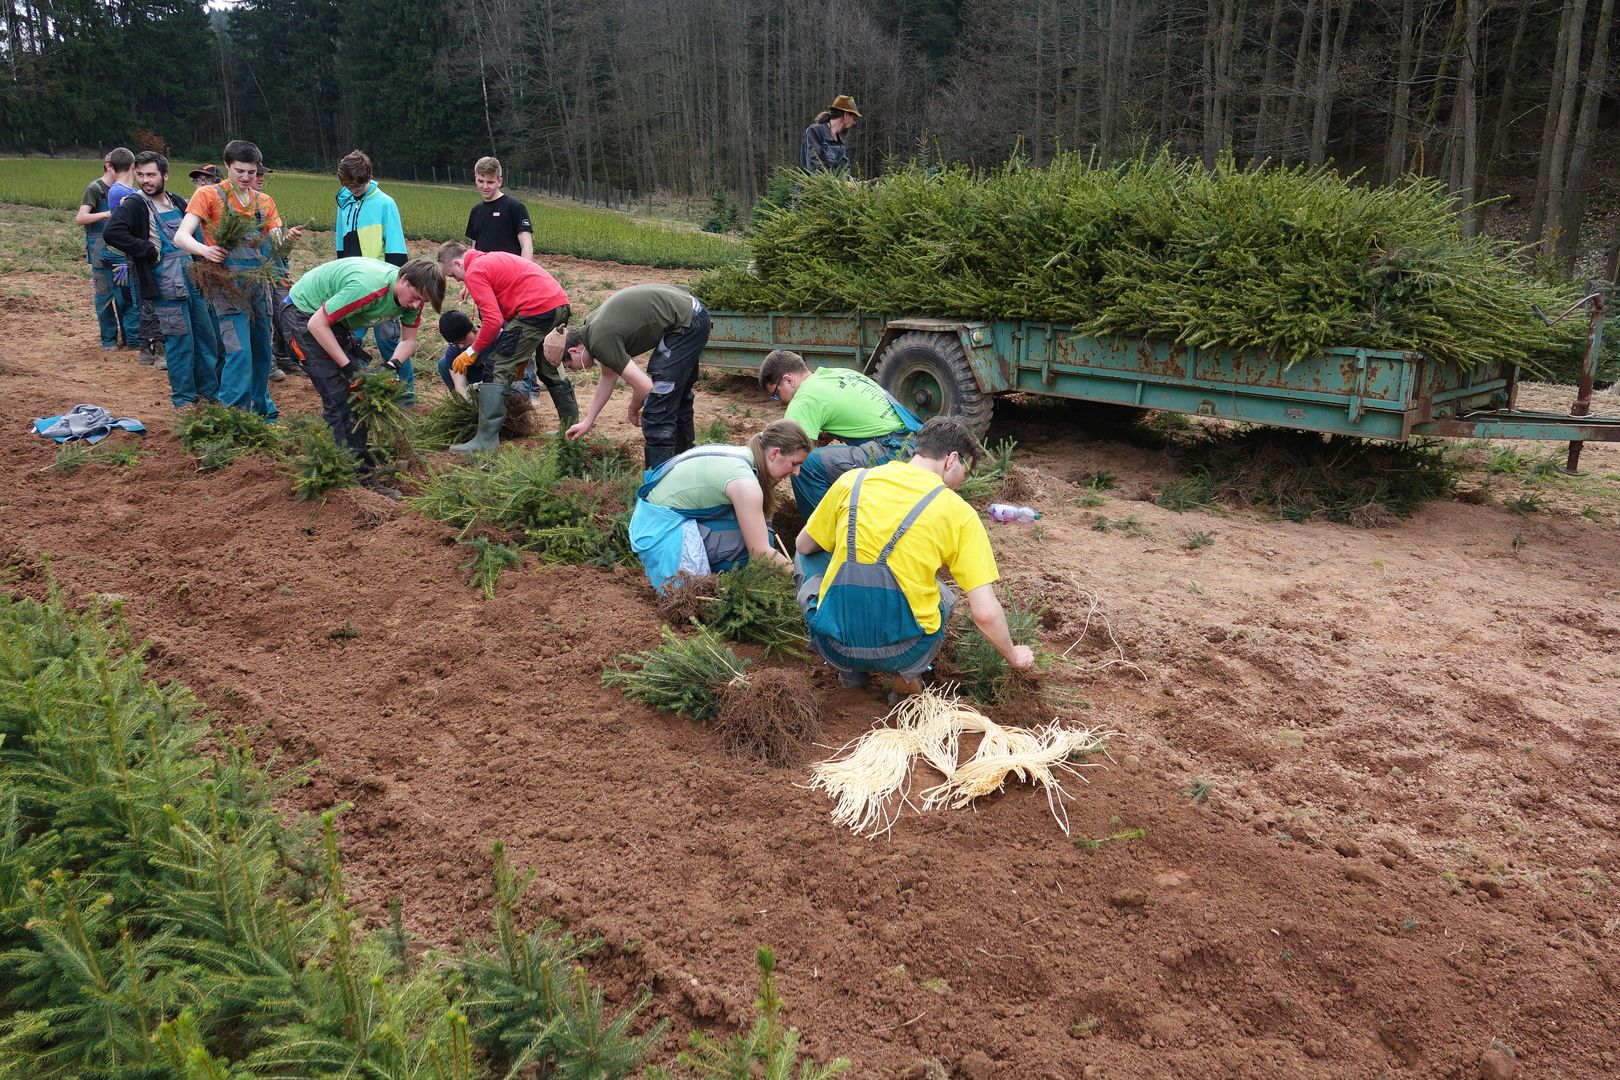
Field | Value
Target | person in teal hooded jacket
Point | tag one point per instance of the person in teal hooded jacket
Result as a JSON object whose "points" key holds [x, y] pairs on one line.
{"points": [[368, 227]]}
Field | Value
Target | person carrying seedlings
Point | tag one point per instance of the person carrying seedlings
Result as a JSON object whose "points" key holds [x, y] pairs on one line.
{"points": [[369, 227], [665, 319], [518, 305], [708, 509], [320, 316], [144, 228], [836, 403], [244, 313], [117, 314], [868, 559], [823, 149]]}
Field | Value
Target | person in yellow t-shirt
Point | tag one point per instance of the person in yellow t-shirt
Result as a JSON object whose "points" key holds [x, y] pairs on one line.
{"points": [[884, 610]]}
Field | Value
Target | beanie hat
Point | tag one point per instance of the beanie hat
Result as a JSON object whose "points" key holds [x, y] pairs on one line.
{"points": [[454, 325]]}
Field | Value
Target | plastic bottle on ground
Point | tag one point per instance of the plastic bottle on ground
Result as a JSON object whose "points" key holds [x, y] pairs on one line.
{"points": [[1009, 512]]}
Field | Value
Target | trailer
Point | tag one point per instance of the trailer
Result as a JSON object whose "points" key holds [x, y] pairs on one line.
{"points": [[959, 367]]}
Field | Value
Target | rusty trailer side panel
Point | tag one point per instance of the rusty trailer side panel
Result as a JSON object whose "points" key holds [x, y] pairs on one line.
{"points": [[1372, 393]]}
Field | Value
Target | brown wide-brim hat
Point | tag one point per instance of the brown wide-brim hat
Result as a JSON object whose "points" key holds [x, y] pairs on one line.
{"points": [[209, 172], [845, 103]]}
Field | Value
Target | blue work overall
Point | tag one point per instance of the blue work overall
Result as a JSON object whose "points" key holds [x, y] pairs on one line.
{"points": [[865, 621], [244, 324], [658, 534], [117, 309], [827, 463], [182, 314]]}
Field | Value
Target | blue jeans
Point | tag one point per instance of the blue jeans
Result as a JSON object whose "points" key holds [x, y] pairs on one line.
{"points": [[244, 377], [187, 333], [479, 372], [117, 309]]}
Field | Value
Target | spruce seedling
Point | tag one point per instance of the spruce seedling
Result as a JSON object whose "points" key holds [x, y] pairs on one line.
{"points": [[319, 465], [489, 560]]}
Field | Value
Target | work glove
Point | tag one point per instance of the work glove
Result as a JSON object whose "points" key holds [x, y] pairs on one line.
{"points": [[121, 273], [355, 372], [466, 360], [392, 365]]}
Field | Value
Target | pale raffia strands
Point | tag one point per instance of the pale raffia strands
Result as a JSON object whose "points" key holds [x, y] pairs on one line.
{"points": [[871, 777]]}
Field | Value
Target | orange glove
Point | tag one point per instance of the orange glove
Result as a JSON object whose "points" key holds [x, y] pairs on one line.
{"points": [[461, 363]]}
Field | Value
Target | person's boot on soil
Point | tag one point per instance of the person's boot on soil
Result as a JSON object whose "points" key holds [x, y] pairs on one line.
{"points": [[491, 415], [562, 396], [370, 482]]}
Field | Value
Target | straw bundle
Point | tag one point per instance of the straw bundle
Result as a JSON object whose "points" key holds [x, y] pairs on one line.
{"points": [[872, 781]]}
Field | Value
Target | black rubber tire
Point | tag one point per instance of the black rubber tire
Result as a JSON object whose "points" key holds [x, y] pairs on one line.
{"points": [[917, 363]]}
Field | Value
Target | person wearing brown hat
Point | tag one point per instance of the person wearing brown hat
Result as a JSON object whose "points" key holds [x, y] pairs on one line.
{"points": [[203, 175], [823, 148]]}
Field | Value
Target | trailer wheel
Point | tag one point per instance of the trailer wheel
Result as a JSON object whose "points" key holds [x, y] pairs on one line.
{"points": [[928, 373]]}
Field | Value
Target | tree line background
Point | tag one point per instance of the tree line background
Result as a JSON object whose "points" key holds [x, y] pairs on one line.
{"points": [[690, 96]]}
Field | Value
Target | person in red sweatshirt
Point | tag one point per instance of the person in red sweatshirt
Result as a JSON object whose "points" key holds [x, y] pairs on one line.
{"points": [[518, 305]]}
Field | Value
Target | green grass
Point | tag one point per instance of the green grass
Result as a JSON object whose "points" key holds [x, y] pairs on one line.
{"points": [[429, 212]]}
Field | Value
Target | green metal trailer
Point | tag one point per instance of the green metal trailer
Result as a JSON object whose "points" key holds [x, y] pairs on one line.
{"points": [[959, 366]]}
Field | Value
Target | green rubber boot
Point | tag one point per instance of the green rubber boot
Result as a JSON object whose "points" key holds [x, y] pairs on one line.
{"points": [[491, 415], [562, 396]]}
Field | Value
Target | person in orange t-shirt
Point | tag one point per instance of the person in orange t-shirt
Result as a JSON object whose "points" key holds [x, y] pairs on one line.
{"points": [[244, 323]]}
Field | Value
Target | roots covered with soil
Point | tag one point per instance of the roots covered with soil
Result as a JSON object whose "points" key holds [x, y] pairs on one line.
{"points": [[771, 717]]}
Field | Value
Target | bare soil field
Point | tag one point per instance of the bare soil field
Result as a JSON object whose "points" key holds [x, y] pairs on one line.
{"points": [[1376, 768]]}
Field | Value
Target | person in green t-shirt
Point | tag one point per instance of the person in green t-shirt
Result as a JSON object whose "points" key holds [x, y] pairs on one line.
{"points": [[320, 316], [831, 403]]}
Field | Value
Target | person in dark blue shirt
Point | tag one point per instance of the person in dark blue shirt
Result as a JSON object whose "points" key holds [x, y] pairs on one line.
{"points": [[823, 148]]}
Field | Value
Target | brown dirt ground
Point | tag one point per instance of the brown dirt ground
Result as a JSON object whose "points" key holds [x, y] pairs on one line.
{"points": [[1406, 848]]}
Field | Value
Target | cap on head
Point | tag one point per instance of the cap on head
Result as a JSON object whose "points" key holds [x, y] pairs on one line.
{"points": [[209, 173]]}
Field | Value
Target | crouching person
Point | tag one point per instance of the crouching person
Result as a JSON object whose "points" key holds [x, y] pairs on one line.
{"points": [[143, 228], [869, 557], [459, 332], [870, 426], [708, 509], [320, 316]]}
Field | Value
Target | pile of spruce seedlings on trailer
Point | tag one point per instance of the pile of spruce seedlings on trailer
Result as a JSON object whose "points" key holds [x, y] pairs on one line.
{"points": [[1286, 259]]}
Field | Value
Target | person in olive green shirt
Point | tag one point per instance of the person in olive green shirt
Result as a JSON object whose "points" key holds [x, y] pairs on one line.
{"points": [[831, 403], [324, 309], [665, 319]]}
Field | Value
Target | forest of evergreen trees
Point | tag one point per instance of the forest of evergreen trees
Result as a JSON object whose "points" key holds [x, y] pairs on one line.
{"points": [[686, 96]]}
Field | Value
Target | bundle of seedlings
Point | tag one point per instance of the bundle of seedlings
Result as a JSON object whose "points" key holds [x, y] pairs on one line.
{"points": [[873, 779], [316, 463], [490, 559], [218, 435], [1288, 260], [218, 282], [455, 420], [768, 715], [376, 404], [980, 671], [526, 491], [755, 603]]}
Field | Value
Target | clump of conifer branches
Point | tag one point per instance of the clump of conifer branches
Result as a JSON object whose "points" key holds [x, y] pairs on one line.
{"points": [[1290, 260]]}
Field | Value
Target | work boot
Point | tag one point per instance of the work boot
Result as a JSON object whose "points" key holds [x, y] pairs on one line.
{"points": [[562, 396], [491, 414], [276, 374], [147, 357]]}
